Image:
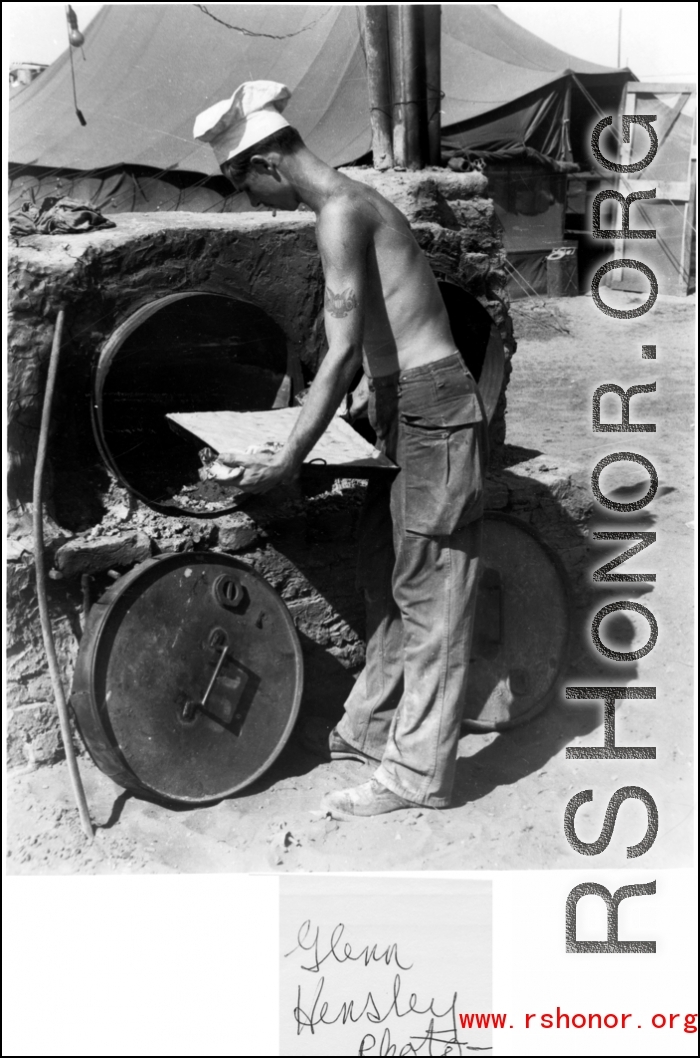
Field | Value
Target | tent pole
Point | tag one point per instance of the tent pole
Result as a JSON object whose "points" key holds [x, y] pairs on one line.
{"points": [[433, 18], [379, 82], [565, 153]]}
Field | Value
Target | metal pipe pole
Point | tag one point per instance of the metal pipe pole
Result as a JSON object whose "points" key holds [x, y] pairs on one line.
{"points": [[407, 47], [376, 27], [395, 27], [417, 112], [433, 20]]}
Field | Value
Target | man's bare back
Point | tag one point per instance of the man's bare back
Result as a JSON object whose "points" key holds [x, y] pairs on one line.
{"points": [[405, 322], [383, 307]]}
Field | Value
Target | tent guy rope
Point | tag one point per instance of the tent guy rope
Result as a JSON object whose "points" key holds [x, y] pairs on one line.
{"points": [[253, 33]]}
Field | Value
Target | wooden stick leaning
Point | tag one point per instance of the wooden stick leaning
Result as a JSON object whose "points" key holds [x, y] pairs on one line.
{"points": [[40, 566]]}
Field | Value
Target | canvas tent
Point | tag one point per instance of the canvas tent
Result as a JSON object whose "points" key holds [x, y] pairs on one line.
{"points": [[149, 69], [520, 106]]}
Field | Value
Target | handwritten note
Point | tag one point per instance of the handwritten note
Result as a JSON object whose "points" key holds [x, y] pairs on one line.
{"points": [[384, 966]]}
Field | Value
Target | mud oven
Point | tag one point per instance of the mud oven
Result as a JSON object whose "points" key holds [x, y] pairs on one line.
{"points": [[187, 312]]}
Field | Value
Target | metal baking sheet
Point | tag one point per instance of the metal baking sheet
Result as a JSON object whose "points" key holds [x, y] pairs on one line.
{"points": [[233, 431]]}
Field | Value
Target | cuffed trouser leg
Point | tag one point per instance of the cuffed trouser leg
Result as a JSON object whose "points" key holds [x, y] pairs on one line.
{"points": [[434, 584]]}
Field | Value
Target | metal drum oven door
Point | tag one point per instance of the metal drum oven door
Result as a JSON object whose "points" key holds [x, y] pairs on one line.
{"points": [[521, 627], [189, 678]]}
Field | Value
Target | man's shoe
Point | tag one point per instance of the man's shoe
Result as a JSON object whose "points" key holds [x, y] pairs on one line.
{"points": [[319, 738], [369, 799]]}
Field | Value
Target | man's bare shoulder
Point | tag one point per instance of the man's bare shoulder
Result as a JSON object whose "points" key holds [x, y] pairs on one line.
{"points": [[343, 229], [358, 208], [344, 210]]}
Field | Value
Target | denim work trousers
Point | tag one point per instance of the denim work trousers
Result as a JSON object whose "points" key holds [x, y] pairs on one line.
{"points": [[420, 537]]}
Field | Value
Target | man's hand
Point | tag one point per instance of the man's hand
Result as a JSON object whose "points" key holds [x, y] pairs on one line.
{"points": [[359, 401], [259, 471]]}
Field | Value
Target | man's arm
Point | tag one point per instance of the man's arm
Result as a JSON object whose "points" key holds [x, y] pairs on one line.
{"points": [[343, 241]]}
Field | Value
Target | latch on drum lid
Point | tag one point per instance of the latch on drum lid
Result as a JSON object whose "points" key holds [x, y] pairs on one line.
{"points": [[188, 679]]}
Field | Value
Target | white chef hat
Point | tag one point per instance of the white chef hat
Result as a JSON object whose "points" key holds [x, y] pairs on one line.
{"points": [[251, 114]]}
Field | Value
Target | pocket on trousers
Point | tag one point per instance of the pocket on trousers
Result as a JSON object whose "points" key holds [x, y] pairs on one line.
{"points": [[442, 475]]}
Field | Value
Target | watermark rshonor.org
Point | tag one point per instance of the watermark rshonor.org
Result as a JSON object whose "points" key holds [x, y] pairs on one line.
{"points": [[639, 540], [561, 1019]]}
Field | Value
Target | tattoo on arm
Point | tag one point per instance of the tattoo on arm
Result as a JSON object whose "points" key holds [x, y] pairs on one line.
{"points": [[341, 304]]}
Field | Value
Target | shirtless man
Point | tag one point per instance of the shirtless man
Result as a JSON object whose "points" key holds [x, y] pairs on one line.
{"points": [[420, 533]]}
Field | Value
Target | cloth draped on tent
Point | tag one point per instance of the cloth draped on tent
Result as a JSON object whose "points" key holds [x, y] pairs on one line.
{"points": [[127, 189], [57, 217]]}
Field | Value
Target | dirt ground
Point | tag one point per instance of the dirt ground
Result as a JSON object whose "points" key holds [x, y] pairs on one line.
{"points": [[511, 788]]}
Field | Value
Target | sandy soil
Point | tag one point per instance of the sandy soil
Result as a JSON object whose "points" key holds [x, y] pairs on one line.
{"points": [[511, 788]]}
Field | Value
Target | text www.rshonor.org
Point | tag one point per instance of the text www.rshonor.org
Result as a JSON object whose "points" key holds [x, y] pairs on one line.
{"points": [[561, 1020]]}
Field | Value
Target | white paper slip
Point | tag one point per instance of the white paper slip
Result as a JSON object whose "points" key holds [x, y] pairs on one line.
{"points": [[384, 966]]}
